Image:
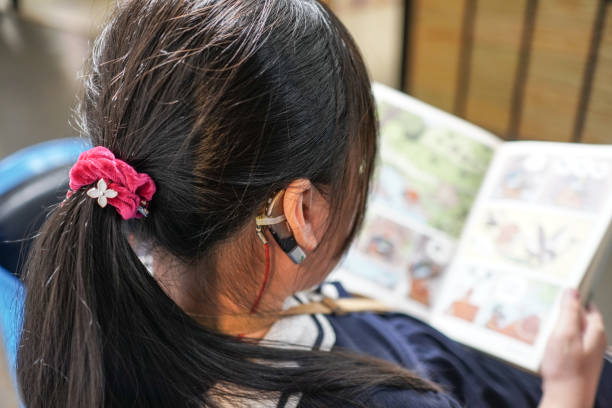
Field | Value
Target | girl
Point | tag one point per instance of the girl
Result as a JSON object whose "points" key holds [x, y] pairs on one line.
{"points": [[235, 140]]}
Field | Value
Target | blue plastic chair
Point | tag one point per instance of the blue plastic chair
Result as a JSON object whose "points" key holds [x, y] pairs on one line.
{"points": [[31, 181], [38, 159], [12, 296]]}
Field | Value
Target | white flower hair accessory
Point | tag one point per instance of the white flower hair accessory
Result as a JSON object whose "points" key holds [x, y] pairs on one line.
{"points": [[102, 193]]}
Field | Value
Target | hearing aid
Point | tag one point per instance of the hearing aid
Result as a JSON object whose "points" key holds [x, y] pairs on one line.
{"points": [[275, 221]]}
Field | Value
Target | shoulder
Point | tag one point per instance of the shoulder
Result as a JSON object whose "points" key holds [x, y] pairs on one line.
{"points": [[391, 337]]}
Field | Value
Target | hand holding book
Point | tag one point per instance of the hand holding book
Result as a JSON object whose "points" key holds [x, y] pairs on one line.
{"points": [[573, 359]]}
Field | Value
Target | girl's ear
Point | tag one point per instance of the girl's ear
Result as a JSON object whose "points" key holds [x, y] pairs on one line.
{"points": [[304, 208]]}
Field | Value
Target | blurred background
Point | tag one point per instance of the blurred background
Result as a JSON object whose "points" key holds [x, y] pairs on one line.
{"points": [[523, 69]]}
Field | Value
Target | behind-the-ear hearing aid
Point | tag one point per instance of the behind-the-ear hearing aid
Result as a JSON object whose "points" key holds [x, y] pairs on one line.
{"points": [[274, 219]]}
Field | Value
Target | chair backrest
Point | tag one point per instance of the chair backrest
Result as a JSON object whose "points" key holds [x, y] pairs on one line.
{"points": [[8, 393], [31, 182]]}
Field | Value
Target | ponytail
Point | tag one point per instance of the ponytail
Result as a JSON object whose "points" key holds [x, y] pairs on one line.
{"points": [[60, 358]]}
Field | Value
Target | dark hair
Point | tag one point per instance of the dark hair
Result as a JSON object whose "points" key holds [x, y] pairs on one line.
{"points": [[222, 103]]}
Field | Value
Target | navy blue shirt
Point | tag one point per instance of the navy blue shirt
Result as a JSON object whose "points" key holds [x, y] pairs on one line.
{"points": [[468, 377]]}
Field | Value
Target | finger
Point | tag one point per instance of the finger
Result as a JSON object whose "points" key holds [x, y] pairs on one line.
{"points": [[594, 339], [570, 320]]}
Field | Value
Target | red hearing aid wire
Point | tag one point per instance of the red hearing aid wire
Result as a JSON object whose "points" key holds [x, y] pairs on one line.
{"points": [[265, 282]]}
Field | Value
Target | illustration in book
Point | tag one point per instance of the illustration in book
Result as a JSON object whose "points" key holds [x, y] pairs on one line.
{"points": [[400, 258], [439, 183], [566, 182], [543, 242], [505, 303]]}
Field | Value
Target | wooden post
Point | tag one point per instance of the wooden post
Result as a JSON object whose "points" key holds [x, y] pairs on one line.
{"points": [[589, 71]]}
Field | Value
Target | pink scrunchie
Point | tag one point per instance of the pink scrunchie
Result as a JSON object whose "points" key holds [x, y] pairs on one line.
{"points": [[132, 187]]}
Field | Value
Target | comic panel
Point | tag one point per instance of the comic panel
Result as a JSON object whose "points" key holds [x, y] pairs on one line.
{"points": [[571, 182], [544, 243], [430, 173], [400, 259], [501, 302]]}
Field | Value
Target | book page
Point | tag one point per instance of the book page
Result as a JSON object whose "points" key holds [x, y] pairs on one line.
{"points": [[533, 231], [429, 170]]}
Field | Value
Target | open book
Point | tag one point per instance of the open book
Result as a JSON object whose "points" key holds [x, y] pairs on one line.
{"points": [[477, 236]]}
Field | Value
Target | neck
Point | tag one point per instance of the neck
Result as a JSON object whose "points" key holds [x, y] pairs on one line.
{"points": [[223, 308], [221, 314]]}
